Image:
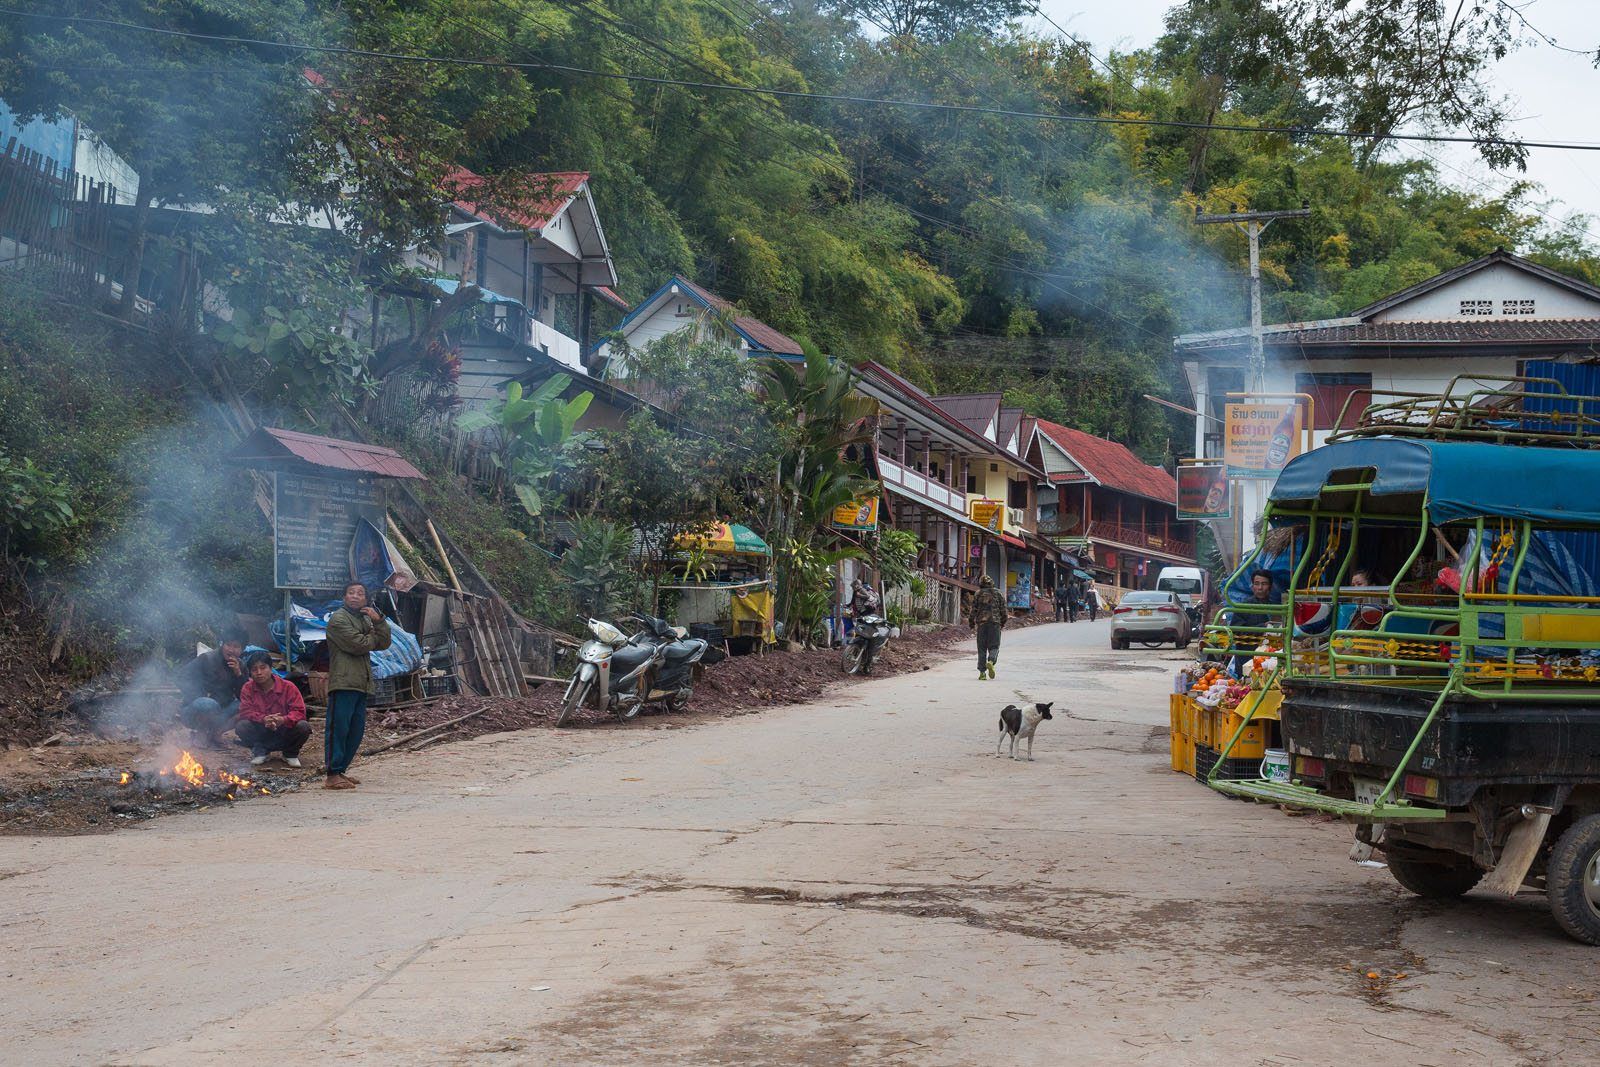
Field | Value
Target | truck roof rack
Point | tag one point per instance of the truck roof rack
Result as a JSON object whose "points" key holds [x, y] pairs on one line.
{"points": [[1509, 410]]}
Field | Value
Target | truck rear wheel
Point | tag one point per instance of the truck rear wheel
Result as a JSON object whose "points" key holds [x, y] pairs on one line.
{"points": [[1572, 881], [1436, 881]]}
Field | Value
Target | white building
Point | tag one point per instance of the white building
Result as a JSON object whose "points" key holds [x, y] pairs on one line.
{"points": [[540, 266], [682, 305], [1496, 317]]}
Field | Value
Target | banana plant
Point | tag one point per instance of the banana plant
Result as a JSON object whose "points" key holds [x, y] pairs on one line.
{"points": [[535, 434]]}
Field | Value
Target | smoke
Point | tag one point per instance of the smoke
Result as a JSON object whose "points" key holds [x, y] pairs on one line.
{"points": [[189, 553]]}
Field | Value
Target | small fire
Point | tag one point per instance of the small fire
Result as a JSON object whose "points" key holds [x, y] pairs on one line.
{"points": [[193, 774], [190, 769]]}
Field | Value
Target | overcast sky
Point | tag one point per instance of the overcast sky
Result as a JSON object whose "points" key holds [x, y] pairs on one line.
{"points": [[1557, 94]]}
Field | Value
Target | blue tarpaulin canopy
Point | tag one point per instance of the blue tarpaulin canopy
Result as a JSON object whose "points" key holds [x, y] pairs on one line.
{"points": [[1460, 480], [487, 296]]}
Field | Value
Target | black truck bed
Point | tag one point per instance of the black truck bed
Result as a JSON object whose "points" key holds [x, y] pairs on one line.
{"points": [[1366, 728]]}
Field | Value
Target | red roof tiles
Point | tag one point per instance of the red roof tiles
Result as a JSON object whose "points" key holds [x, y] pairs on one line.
{"points": [[269, 447], [1111, 464], [543, 200]]}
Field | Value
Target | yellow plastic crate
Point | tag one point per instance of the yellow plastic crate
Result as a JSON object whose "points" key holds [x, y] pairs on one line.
{"points": [[1178, 710]]}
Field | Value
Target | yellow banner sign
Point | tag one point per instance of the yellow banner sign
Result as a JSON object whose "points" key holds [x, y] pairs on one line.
{"points": [[1258, 439], [990, 514], [860, 515]]}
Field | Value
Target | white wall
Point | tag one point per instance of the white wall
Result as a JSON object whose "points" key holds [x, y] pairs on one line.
{"points": [[1417, 375], [1496, 283]]}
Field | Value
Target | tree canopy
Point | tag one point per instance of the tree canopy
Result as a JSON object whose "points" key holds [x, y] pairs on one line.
{"points": [[1052, 259]]}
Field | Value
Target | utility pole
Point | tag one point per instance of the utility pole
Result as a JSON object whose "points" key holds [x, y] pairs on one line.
{"points": [[1253, 223]]}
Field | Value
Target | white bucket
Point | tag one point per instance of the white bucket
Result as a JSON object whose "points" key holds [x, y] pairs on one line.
{"points": [[1275, 768]]}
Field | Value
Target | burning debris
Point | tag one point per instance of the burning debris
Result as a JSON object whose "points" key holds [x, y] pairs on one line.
{"points": [[101, 798], [190, 773]]}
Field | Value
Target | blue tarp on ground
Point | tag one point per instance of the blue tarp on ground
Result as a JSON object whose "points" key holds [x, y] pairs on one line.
{"points": [[1462, 480]]}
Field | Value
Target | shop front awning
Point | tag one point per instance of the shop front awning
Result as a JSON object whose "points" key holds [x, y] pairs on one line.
{"points": [[728, 539], [1014, 542]]}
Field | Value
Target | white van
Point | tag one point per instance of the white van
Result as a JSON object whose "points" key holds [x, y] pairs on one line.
{"points": [[1190, 585]]}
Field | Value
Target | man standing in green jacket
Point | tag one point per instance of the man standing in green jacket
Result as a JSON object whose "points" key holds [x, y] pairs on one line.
{"points": [[355, 631]]}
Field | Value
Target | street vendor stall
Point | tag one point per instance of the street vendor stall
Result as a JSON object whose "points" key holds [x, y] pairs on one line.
{"points": [[722, 580]]}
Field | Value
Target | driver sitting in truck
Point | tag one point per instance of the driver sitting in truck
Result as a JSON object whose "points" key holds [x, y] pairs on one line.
{"points": [[1261, 592]]}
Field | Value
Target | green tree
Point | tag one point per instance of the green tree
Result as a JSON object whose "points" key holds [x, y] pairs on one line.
{"points": [[535, 437]]}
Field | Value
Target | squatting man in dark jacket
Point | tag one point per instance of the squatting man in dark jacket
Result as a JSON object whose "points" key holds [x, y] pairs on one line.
{"points": [[209, 688]]}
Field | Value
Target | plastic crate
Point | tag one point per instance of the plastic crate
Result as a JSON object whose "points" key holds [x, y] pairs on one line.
{"points": [[1233, 770], [383, 692], [438, 685], [708, 632]]}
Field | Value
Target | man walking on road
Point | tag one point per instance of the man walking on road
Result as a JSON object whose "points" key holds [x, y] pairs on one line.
{"points": [[355, 631], [988, 618]]}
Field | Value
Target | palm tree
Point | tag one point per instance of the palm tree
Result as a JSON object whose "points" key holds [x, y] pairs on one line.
{"points": [[820, 417]]}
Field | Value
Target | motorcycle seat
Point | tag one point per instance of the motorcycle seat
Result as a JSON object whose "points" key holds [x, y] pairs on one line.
{"points": [[680, 651]]}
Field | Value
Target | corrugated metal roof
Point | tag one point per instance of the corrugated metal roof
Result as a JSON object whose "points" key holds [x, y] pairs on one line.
{"points": [[975, 411], [270, 447], [1431, 332], [1111, 464]]}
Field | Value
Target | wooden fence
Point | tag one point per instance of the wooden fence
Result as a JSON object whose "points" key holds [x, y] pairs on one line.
{"points": [[57, 224]]}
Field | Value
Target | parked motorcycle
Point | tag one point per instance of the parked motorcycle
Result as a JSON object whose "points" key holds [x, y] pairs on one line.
{"points": [[621, 674], [867, 638]]}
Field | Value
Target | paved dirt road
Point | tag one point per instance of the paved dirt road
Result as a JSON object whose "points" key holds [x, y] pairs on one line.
{"points": [[851, 882]]}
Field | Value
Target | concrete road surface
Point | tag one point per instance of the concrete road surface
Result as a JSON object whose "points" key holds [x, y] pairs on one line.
{"points": [[856, 881]]}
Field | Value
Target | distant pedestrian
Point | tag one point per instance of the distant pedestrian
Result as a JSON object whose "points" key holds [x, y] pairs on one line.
{"points": [[355, 631], [988, 618], [1063, 596]]}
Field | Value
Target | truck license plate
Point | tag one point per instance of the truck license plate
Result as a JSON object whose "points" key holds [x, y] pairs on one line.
{"points": [[1367, 789]]}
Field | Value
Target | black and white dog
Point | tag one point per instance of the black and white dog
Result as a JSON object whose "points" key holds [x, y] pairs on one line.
{"points": [[1019, 724]]}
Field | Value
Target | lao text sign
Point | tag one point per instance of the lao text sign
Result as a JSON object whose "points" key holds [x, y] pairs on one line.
{"points": [[1203, 491], [313, 522], [990, 514], [1258, 439], [860, 515]]}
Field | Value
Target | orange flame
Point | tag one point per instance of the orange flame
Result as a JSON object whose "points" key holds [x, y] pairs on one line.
{"points": [[189, 769], [126, 777]]}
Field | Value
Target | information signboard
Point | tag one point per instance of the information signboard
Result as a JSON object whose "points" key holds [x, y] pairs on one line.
{"points": [[1258, 439], [860, 515], [990, 514], [1203, 491], [313, 522]]}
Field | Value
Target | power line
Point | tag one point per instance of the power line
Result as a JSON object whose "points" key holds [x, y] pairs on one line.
{"points": [[837, 98]]}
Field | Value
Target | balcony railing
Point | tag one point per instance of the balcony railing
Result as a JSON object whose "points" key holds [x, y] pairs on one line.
{"points": [[920, 486], [1138, 537]]}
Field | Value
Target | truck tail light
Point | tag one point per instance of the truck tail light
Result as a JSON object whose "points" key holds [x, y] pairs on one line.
{"points": [[1415, 785], [1306, 767]]}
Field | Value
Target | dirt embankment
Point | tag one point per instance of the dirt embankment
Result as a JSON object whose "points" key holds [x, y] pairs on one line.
{"points": [[91, 783]]}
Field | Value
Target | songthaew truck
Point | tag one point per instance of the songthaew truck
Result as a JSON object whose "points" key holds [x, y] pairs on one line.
{"points": [[1447, 700]]}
